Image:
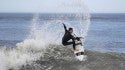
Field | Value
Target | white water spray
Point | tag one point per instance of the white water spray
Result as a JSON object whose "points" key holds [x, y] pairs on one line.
{"points": [[50, 32]]}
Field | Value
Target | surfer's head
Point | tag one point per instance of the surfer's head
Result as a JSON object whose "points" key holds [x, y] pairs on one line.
{"points": [[70, 30]]}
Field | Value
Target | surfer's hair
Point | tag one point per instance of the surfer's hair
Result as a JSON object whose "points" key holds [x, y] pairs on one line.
{"points": [[70, 28]]}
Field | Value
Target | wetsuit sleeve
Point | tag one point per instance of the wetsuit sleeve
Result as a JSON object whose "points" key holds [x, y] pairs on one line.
{"points": [[65, 27]]}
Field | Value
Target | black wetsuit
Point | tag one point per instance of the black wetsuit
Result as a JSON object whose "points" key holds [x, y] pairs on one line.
{"points": [[67, 36]]}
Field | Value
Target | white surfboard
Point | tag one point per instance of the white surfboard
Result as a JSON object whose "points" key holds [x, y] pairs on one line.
{"points": [[79, 52]]}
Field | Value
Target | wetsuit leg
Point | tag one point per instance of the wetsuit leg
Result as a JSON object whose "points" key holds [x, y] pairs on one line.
{"points": [[74, 45], [67, 43]]}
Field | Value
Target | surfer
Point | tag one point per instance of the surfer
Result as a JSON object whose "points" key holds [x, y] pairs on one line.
{"points": [[76, 42], [68, 36]]}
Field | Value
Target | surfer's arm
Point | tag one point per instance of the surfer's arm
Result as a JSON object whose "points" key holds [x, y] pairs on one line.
{"points": [[73, 36], [81, 37], [64, 26]]}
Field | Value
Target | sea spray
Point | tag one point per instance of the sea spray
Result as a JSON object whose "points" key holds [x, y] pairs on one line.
{"points": [[24, 53], [46, 33]]}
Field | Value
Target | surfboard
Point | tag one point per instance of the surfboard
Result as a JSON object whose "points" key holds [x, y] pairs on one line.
{"points": [[79, 51]]}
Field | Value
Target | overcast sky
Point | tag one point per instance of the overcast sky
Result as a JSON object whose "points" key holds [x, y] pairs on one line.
{"points": [[95, 6]]}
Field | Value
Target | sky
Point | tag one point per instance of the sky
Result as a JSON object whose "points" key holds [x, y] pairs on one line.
{"points": [[47, 6]]}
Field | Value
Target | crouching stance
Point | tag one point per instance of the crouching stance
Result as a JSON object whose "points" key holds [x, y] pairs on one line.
{"points": [[68, 36]]}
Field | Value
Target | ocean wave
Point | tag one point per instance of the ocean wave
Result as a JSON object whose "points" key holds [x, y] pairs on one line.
{"points": [[58, 57]]}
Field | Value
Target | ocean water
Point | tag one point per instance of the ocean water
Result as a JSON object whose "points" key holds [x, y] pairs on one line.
{"points": [[24, 42], [107, 33]]}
